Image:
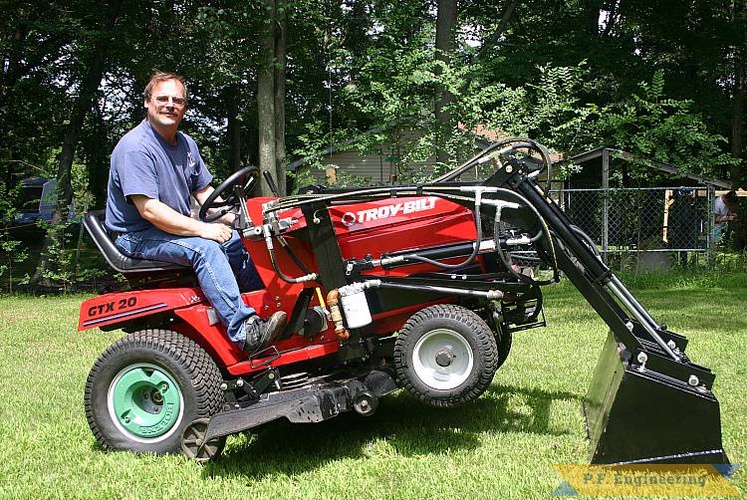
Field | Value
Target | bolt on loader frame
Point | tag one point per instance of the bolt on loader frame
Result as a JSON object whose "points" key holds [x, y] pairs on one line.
{"points": [[417, 287]]}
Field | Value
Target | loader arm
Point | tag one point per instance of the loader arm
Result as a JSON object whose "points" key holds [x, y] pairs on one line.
{"points": [[627, 318], [647, 402]]}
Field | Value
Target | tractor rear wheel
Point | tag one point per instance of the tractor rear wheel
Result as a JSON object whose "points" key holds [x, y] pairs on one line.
{"points": [[147, 387], [445, 355]]}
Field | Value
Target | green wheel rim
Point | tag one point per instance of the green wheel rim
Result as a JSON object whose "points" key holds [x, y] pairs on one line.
{"points": [[145, 402]]}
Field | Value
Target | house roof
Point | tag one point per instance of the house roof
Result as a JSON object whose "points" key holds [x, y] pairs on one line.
{"points": [[666, 168], [341, 146]]}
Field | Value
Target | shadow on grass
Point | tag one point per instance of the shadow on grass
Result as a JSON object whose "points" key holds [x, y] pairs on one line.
{"points": [[407, 426]]}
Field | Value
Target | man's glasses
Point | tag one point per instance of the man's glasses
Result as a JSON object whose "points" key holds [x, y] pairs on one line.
{"points": [[164, 99]]}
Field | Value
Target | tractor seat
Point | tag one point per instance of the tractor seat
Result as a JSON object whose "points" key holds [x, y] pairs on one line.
{"points": [[94, 224]]}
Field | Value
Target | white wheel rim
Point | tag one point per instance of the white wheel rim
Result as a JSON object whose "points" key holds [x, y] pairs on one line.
{"points": [[442, 359]]}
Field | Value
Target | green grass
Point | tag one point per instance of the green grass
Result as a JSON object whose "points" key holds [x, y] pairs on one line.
{"points": [[501, 446]]}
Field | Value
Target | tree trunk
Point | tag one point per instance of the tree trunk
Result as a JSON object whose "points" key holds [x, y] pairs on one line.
{"points": [[266, 96], [234, 128], [97, 161], [88, 88], [83, 105], [737, 121], [592, 10], [739, 20], [7, 82], [280, 54], [271, 95], [445, 23], [490, 42]]}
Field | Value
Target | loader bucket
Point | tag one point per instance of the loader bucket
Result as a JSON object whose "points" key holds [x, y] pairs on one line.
{"points": [[637, 415]]}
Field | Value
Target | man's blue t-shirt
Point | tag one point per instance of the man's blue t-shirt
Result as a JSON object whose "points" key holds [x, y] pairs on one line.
{"points": [[144, 163]]}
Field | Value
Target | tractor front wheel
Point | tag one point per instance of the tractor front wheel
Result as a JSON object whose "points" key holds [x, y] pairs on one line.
{"points": [[445, 355], [147, 387]]}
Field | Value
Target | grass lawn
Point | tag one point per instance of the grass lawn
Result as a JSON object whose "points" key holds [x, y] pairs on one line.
{"points": [[501, 446]]}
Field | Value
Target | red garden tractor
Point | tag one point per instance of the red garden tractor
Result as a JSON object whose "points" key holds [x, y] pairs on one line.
{"points": [[418, 287]]}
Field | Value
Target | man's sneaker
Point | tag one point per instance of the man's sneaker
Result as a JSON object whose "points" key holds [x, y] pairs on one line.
{"points": [[260, 333]]}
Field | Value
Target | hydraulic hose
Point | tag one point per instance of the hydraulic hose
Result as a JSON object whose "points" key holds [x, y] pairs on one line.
{"points": [[482, 156], [293, 256], [592, 245], [544, 230], [273, 259], [475, 250]]}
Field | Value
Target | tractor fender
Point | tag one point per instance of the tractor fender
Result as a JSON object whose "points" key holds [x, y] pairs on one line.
{"points": [[119, 307], [188, 304]]}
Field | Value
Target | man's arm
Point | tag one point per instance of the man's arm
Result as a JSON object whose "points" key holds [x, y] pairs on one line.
{"points": [[169, 220], [728, 216]]}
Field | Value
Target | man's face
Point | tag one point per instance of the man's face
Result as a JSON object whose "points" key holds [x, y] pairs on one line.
{"points": [[161, 106], [730, 202]]}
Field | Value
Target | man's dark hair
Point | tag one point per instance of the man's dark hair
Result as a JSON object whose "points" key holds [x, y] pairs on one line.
{"points": [[731, 196], [162, 76]]}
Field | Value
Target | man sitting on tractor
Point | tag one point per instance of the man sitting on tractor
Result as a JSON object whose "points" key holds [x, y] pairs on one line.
{"points": [[155, 169]]}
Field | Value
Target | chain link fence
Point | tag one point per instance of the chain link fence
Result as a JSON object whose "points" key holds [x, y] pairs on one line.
{"points": [[644, 228]]}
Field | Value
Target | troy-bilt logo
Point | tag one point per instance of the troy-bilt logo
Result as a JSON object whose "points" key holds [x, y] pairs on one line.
{"points": [[387, 211]]}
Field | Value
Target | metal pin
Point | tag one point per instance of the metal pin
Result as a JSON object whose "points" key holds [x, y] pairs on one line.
{"points": [[642, 358]]}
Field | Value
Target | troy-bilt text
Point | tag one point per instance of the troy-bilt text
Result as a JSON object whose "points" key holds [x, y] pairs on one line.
{"points": [[386, 211]]}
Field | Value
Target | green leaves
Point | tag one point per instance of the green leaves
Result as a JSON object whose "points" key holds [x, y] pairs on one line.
{"points": [[12, 251], [664, 129]]}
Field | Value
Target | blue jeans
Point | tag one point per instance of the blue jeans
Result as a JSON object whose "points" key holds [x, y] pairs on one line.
{"points": [[223, 270]]}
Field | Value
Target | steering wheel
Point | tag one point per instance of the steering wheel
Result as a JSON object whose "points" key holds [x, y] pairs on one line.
{"points": [[236, 187]]}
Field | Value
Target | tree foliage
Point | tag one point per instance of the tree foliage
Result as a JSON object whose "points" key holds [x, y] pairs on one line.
{"points": [[356, 65], [663, 80], [664, 129]]}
